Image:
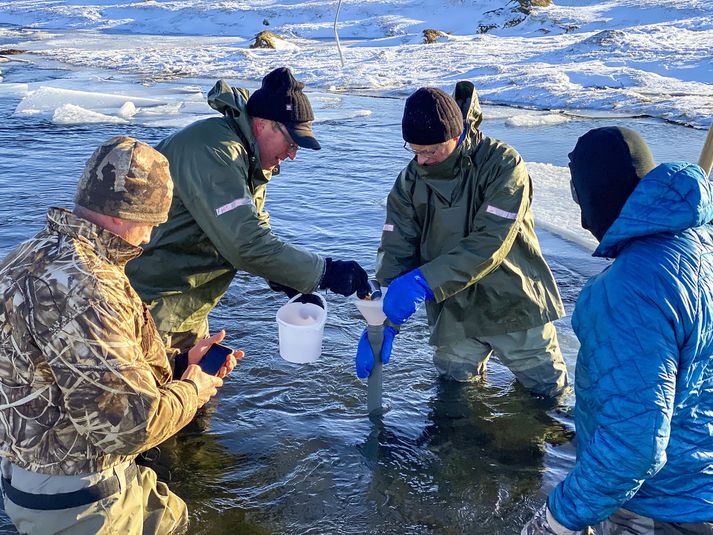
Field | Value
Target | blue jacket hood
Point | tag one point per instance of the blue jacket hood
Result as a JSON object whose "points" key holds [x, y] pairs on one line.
{"points": [[671, 198]]}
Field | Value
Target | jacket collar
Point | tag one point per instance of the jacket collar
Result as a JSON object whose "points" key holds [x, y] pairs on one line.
{"points": [[232, 102], [671, 198], [107, 245], [443, 178], [446, 170]]}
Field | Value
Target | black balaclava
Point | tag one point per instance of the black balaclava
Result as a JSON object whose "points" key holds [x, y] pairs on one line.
{"points": [[606, 165]]}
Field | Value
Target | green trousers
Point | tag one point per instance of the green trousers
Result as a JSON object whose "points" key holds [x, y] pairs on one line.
{"points": [[533, 356], [183, 341]]}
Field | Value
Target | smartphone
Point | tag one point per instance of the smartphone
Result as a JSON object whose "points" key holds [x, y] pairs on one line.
{"points": [[214, 359]]}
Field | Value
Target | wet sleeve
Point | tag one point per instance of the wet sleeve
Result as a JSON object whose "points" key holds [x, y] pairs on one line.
{"points": [[496, 224], [400, 239], [224, 207], [109, 390], [626, 368]]}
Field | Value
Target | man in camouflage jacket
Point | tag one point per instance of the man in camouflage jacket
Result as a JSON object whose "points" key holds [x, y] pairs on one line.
{"points": [[84, 376]]}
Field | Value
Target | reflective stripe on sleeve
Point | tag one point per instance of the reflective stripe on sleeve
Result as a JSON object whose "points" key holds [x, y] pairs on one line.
{"points": [[502, 213], [232, 205]]}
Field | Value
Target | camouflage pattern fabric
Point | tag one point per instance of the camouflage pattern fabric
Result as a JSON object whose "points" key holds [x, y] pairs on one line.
{"points": [[85, 381], [128, 179]]}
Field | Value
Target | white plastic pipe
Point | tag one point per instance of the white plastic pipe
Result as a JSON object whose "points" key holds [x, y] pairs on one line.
{"points": [[336, 35], [706, 159]]}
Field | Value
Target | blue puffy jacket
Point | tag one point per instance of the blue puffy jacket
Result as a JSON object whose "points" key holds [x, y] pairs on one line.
{"points": [[644, 376]]}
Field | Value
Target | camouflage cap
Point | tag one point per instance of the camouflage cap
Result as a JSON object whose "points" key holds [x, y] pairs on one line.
{"points": [[128, 179]]}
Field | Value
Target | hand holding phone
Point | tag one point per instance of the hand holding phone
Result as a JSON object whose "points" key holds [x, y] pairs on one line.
{"points": [[215, 358]]}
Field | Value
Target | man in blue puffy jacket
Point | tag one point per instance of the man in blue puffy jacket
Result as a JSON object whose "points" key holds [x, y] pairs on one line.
{"points": [[644, 378]]}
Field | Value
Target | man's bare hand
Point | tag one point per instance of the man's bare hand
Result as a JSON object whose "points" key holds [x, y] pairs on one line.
{"points": [[208, 385], [196, 353]]}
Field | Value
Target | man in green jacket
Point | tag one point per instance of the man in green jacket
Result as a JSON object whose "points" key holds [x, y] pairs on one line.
{"points": [[218, 223], [459, 235]]}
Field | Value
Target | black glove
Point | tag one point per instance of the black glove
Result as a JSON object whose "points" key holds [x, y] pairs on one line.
{"points": [[291, 292], [345, 277], [277, 287]]}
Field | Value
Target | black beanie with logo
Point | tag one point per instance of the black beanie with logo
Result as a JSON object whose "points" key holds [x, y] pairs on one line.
{"points": [[431, 116], [280, 98]]}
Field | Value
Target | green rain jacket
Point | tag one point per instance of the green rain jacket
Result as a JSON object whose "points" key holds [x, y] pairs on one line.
{"points": [[467, 224], [217, 223]]}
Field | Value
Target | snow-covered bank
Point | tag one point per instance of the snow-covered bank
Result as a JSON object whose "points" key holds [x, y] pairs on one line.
{"points": [[641, 57]]}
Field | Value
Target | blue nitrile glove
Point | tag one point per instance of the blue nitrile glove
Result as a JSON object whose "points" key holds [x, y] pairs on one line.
{"points": [[365, 356], [345, 277], [404, 295]]}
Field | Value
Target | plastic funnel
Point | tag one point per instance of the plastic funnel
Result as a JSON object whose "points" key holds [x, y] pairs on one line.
{"points": [[373, 311]]}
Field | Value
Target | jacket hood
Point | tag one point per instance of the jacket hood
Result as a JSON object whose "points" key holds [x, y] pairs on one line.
{"points": [[232, 102], [466, 97], [228, 100], [671, 198]]}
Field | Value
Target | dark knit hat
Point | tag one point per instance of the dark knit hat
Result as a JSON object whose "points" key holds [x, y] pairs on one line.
{"points": [[606, 165], [280, 98], [128, 179], [431, 116]]}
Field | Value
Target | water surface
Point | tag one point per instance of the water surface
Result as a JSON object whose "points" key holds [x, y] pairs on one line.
{"points": [[289, 449]]}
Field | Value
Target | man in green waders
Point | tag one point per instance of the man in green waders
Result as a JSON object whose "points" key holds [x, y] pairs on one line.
{"points": [[218, 223], [459, 235]]}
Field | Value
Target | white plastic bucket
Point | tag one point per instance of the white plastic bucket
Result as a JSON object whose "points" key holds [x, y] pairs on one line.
{"points": [[300, 329]]}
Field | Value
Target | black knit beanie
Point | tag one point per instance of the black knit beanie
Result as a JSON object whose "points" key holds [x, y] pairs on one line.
{"points": [[431, 116], [280, 98], [606, 165]]}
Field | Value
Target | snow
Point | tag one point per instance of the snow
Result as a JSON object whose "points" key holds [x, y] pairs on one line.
{"points": [[146, 62], [531, 120], [553, 206], [640, 57]]}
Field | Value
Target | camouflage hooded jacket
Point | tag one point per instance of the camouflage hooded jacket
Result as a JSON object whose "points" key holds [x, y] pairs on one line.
{"points": [[85, 381]]}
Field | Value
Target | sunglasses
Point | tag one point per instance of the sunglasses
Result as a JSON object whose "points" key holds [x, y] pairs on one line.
{"points": [[291, 145]]}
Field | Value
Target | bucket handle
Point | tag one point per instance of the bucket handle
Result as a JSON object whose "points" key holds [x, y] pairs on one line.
{"points": [[321, 298]]}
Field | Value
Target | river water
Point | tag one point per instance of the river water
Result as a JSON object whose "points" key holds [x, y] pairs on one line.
{"points": [[289, 449]]}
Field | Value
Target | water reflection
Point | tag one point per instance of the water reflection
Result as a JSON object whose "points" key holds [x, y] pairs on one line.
{"points": [[475, 468], [289, 449]]}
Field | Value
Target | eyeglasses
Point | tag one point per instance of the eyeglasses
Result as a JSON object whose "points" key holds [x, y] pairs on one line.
{"points": [[291, 145], [426, 153]]}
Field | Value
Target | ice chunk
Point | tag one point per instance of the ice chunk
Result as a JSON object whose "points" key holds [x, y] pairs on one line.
{"points": [[127, 111], [47, 99], [71, 114], [537, 120]]}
